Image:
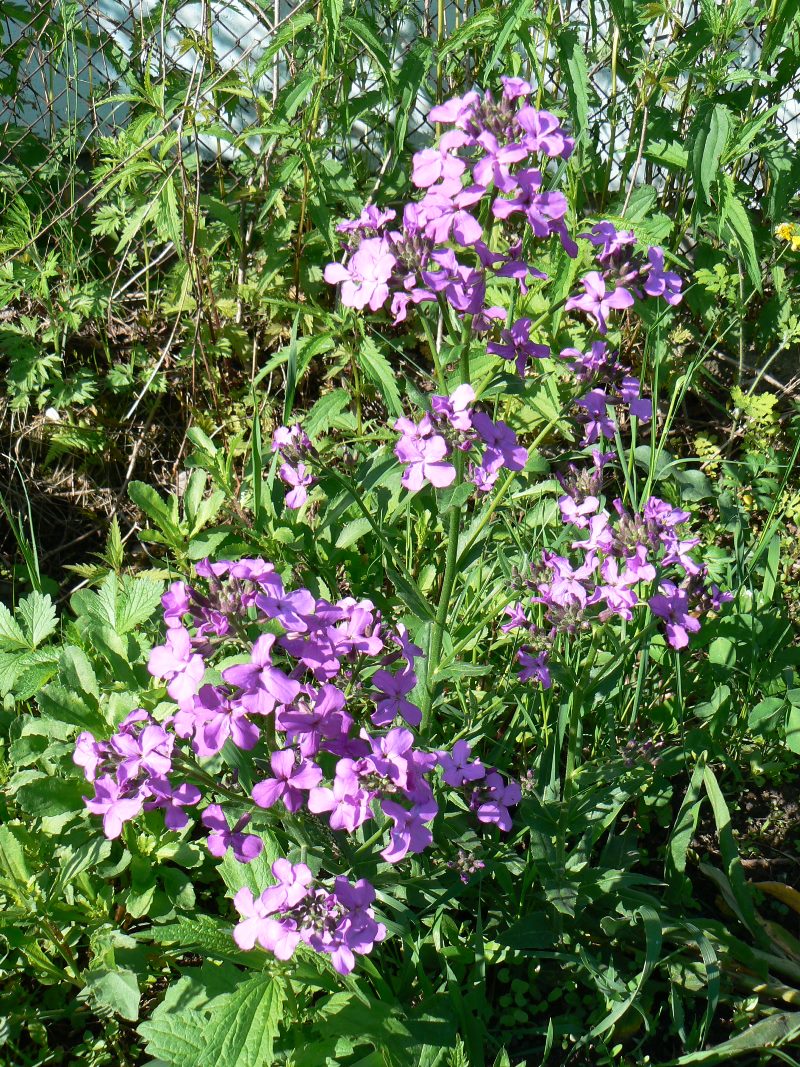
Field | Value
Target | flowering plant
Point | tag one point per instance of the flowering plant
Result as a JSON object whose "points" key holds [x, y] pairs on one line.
{"points": [[382, 735]]}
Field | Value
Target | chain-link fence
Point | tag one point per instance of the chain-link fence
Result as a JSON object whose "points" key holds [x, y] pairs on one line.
{"points": [[98, 94]]}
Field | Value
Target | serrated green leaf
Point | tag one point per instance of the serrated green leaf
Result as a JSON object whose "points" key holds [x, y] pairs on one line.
{"points": [[11, 636], [76, 671], [38, 616], [324, 412], [353, 531], [573, 60], [139, 599], [365, 31], [117, 989], [48, 796], [710, 138], [379, 371], [244, 1026], [735, 220]]}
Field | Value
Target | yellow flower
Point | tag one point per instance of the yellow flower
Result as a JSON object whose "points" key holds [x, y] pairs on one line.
{"points": [[787, 231]]}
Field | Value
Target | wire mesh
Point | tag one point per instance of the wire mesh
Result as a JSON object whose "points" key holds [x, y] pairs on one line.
{"points": [[76, 77]]}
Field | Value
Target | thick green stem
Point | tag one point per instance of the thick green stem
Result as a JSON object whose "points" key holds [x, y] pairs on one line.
{"points": [[451, 559], [440, 622], [573, 739]]}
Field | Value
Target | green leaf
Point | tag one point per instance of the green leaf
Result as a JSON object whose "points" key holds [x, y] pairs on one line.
{"points": [[353, 531], [177, 1038], [711, 132], [13, 861], [116, 989], [573, 60], [514, 15], [11, 636], [68, 705], [763, 1036], [323, 415], [257, 874], [378, 370], [49, 796], [164, 513], [76, 672], [38, 615], [139, 599], [409, 82], [479, 27], [244, 1026], [240, 1031], [735, 222], [686, 822], [365, 31], [730, 855]]}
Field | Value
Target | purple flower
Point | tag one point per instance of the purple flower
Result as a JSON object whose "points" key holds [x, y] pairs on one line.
{"points": [[115, 803], [672, 604], [455, 409], [517, 619], [659, 282], [457, 111], [445, 217], [90, 754], [493, 167], [492, 799], [616, 588], [514, 88], [176, 603], [610, 240], [515, 343], [348, 802], [173, 799], [543, 133], [578, 514], [308, 726], [597, 422], [291, 610], [177, 662], [534, 668], [299, 478], [597, 301], [432, 165], [629, 393], [291, 780], [502, 449], [246, 847], [263, 686], [393, 688], [424, 456], [364, 279], [146, 753], [220, 718], [456, 767], [409, 834]]}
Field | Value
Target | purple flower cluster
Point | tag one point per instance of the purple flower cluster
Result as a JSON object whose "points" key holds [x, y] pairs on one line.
{"points": [[619, 555], [489, 164], [416, 262], [335, 681], [612, 386], [338, 922], [489, 796], [427, 446], [294, 448], [624, 275], [129, 773]]}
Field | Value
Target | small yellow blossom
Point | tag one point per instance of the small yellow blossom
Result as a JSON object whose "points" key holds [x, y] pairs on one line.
{"points": [[787, 231]]}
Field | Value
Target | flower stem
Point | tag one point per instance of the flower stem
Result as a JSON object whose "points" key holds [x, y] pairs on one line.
{"points": [[440, 622], [451, 558]]}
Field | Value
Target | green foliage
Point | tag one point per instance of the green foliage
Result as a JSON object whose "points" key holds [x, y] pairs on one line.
{"points": [[624, 921]]}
